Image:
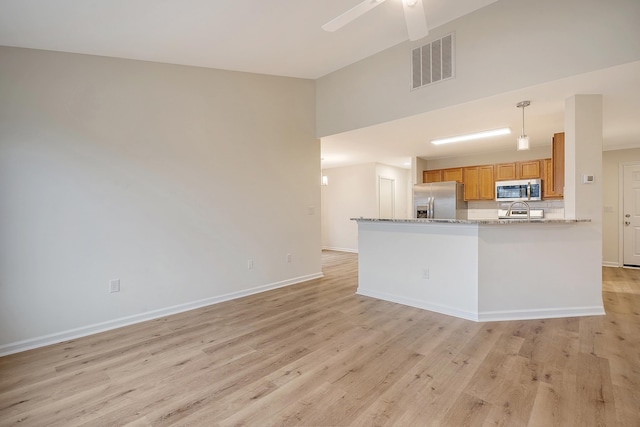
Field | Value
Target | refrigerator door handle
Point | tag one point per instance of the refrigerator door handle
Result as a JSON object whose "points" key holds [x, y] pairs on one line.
{"points": [[431, 202]]}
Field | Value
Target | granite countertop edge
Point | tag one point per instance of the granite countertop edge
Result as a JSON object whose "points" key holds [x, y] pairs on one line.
{"points": [[473, 221]]}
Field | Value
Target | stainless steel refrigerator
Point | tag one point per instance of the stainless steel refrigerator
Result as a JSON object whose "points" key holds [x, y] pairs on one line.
{"points": [[439, 200]]}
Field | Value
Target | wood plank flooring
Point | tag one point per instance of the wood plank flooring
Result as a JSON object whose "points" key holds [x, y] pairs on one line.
{"points": [[316, 354]]}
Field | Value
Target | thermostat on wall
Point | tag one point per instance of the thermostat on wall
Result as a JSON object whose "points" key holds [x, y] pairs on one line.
{"points": [[587, 178]]}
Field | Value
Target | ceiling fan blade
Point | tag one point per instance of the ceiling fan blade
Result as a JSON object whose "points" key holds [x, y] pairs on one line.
{"points": [[351, 14], [416, 21]]}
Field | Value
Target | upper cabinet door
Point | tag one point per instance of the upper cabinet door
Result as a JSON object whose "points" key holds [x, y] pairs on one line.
{"points": [[486, 184], [479, 183], [557, 159], [505, 171], [471, 183], [547, 181], [452, 174], [432, 176], [529, 170]]}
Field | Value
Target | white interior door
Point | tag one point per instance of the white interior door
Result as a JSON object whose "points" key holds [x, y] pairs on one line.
{"points": [[386, 197], [631, 215]]}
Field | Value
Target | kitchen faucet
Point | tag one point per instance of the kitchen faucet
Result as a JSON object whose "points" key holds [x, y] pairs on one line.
{"points": [[521, 202]]}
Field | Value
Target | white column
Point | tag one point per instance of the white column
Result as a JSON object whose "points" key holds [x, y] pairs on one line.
{"points": [[583, 156]]}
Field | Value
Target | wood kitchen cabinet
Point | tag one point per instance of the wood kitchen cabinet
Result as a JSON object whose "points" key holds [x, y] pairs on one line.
{"points": [[432, 176], [547, 181], [478, 183], [529, 170], [557, 159], [505, 171], [486, 189], [439, 175], [452, 174]]}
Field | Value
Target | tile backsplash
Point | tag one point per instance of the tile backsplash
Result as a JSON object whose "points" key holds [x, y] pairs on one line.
{"points": [[553, 209]]}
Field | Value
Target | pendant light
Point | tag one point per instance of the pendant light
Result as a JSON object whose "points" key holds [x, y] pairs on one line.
{"points": [[523, 139]]}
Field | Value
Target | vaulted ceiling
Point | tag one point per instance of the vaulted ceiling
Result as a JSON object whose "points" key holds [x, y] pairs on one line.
{"points": [[284, 37], [279, 37]]}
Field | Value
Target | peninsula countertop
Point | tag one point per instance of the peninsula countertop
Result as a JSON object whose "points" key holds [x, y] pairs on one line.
{"points": [[473, 221]]}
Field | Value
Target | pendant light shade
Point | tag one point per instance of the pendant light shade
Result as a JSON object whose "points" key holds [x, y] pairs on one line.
{"points": [[523, 142], [523, 139]]}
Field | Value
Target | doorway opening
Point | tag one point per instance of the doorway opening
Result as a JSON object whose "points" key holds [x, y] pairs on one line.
{"points": [[630, 221]]}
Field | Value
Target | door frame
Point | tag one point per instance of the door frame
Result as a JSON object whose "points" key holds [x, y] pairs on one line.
{"points": [[620, 219]]}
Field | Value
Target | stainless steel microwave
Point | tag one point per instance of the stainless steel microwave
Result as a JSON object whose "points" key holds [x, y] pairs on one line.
{"points": [[521, 189]]}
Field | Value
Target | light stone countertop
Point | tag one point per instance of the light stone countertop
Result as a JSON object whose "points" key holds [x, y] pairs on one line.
{"points": [[472, 221]]}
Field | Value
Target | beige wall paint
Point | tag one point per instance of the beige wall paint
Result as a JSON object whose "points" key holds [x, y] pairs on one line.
{"points": [[583, 156], [352, 193], [418, 165], [166, 177]]}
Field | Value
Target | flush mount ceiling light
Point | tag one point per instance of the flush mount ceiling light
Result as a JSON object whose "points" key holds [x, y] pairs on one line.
{"points": [[523, 139], [470, 136]]}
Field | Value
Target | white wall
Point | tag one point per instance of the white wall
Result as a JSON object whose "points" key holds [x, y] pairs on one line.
{"points": [[352, 193], [564, 277], [403, 188], [418, 165], [583, 156], [475, 271], [611, 215], [430, 266], [166, 177], [505, 46]]}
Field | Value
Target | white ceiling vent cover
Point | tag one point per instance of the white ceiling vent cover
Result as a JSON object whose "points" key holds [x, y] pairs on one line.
{"points": [[432, 62]]}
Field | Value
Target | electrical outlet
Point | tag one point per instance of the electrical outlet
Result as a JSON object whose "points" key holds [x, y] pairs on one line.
{"points": [[425, 273], [288, 257], [249, 264], [114, 285]]}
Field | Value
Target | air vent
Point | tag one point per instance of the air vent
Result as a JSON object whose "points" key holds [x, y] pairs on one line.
{"points": [[432, 62]]}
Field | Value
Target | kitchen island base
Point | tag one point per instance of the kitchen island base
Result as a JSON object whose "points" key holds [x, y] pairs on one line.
{"points": [[483, 271]]}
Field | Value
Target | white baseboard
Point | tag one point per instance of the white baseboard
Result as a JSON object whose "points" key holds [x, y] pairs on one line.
{"points": [[331, 248], [544, 313], [411, 302], [610, 264], [488, 316], [84, 331]]}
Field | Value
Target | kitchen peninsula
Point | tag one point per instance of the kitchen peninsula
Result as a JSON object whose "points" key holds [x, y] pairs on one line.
{"points": [[483, 270]]}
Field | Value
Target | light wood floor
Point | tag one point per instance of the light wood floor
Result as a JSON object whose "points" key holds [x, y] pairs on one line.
{"points": [[316, 354]]}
